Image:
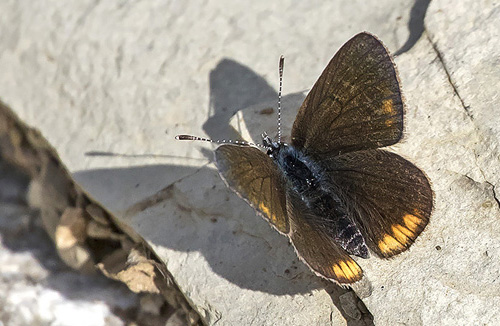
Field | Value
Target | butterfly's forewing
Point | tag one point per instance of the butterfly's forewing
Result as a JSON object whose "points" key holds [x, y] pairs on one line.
{"points": [[254, 176], [356, 103], [321, 253], [390, 199]]}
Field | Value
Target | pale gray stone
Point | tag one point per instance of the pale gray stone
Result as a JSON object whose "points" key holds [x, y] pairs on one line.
{"points": [[113, 76]]}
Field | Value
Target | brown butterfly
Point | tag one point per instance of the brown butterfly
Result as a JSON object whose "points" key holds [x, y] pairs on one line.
{"points": [[332, 191]]}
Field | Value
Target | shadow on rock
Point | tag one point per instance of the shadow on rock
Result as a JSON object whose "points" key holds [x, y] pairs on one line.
{"points": [[415, 25]]}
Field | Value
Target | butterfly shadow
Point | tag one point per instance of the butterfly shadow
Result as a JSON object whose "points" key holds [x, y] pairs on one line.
{"points": [[183, 209], [237, 248], [236, 244], [237, 90]]}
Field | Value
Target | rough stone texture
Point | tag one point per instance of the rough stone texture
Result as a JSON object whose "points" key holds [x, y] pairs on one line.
{"points": [[110, 77], [67, 215], [36, 288]]}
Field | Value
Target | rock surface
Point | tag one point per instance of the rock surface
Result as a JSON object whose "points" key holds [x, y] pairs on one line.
{"points": [[101, 78], [36, 288]]}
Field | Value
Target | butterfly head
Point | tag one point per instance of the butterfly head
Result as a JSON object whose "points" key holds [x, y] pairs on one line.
{"points": [[272, 146]]}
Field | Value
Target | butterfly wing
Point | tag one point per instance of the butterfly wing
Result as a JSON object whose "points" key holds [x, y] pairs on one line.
{"points": [[317, 249], [253, 176], [356, 103], [390, 198], [354, 108]]}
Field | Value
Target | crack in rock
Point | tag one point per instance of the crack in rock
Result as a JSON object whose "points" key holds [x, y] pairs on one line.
{"points": [[158, 197], [448, 75], [494, 193]]}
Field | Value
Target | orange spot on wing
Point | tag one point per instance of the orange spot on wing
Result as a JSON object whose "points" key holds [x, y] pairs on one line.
{"points": [[402, 234], [403, 229], [337, 270], [264, 209], [348, 271], [389, 244], [355, 269], [345, 268], [412, 222], [387, 106]]}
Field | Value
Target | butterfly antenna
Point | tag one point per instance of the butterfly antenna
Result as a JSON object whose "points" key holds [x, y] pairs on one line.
{"points": [[281, 66], [222, 141]]}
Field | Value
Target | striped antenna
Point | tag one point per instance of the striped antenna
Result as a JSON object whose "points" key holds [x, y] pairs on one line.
{"points": [[223, 141], [281, 66]]}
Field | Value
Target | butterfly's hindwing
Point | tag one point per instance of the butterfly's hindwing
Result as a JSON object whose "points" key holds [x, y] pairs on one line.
{"points": [[390, 198], [316, 247]]}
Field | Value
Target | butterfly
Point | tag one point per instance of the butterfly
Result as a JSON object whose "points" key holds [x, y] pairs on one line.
{"points": [[332, 190]]}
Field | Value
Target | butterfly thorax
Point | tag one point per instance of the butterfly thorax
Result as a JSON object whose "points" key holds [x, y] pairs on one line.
{"points": [[303, 174]]}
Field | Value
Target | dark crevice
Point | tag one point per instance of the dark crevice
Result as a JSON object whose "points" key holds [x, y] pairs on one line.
{"points": [[350, 306], [455, 90], [415, 25], [494, 193]]}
